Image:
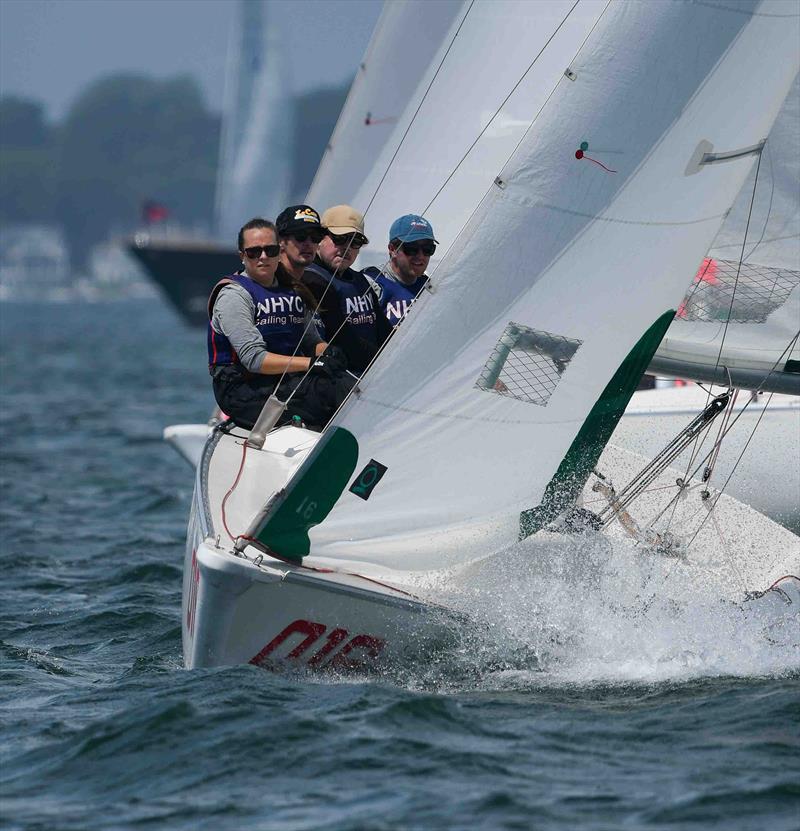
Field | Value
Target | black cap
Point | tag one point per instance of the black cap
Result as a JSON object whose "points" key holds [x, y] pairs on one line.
{"points": [[297, 218]]}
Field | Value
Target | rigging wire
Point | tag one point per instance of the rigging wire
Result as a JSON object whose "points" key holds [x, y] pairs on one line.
{"points": [[419, 107], [736, 464], [730, 312], [504, 102], [788, 348]]}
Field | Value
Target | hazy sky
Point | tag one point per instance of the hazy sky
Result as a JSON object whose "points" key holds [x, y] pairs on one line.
{"points": [[50, 49]]}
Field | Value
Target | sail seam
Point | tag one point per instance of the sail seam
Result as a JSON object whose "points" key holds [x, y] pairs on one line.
{"points": [[620, 221], [463, 417], [725, 8]]}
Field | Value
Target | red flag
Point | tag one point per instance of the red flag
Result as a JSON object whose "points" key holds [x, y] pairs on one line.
{"points": [[154, 212]]}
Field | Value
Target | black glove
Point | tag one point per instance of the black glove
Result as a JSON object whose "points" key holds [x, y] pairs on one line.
{"points": [[331, 362]]}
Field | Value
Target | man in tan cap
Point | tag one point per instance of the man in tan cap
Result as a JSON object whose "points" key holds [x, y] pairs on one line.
{"points": [[347, 305]]}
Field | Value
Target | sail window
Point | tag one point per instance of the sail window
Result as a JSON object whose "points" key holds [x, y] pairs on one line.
{"points": [[527, 364], [757, 292]]}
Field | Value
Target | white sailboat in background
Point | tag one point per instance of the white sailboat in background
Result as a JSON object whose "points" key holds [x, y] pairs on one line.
{"points": [[254, 166], [255, 152], [486, 414]]}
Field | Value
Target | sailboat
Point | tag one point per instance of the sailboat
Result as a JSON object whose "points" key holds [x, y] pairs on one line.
{"points": [[253, 172], [483, 419]]}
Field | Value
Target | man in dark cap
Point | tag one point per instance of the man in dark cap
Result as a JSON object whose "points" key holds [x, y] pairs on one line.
{"points": [[300, 232]]}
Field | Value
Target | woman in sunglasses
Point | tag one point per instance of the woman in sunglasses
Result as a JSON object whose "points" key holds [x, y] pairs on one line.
{"points": [[411, 246], [261, 339]]}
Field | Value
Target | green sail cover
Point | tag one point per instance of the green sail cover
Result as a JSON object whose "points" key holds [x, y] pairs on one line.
{"points": [[311, 496], [563, 489]]}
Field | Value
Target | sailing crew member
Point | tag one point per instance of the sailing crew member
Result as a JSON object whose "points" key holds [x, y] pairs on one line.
{"points": [[411, 245], [300, 232], [348, 309], [262, 339]]}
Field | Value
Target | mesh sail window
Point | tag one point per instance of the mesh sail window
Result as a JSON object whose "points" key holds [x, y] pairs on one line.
{"points": [[527, 364], [758, 292]]}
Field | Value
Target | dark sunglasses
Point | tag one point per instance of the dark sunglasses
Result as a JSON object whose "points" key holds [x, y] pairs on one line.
{"points": [[254, 251], [316, 236], [411, 249], [351, 240]]}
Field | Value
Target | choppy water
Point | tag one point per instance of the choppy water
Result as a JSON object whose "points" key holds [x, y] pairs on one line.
{"points": [[615, 725]]}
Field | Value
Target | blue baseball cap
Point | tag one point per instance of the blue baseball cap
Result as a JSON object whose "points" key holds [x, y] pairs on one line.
{"points": [[410, 228]]}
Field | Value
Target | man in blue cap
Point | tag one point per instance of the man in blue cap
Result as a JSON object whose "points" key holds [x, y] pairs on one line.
{"points": [[411, 245]]}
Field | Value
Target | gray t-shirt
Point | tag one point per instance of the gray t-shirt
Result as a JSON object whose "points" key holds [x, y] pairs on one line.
{"points": [[234, 316]]}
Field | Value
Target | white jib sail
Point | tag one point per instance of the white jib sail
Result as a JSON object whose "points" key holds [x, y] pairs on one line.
{"points": [[496, 373], [405, 39], [762, 295], [486, 83], [253, 177]]}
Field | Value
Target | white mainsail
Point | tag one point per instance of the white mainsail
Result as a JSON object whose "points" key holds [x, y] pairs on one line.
{"points": [[255, 156], [759, 297], [406, 37], [493, 398]]}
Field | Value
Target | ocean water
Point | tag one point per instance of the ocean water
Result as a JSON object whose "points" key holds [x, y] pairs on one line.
{"points": [[592, 718]]}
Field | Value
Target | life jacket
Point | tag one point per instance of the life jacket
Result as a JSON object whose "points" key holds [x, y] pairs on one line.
{"points": [[280, 316], [395, 297], [357, 301]]}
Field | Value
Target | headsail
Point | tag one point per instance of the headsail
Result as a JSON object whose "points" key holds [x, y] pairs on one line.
{"points": [[406, 37], [761, 295], [494, 71], [481, 407]]}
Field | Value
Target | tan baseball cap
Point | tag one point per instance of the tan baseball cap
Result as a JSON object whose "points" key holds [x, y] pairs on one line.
{"points": [[342, 219]]}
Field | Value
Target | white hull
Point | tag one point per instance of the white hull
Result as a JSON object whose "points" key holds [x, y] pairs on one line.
{"points": [[251, 608], [254, 609]]}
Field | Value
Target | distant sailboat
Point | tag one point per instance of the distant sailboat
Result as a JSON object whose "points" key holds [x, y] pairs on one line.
{"points": [[253, 174], [485, 415]]}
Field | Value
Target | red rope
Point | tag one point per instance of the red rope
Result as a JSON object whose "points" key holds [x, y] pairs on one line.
{"points": [[320, 570], [781, 579], [231, 490], [579, 154]]}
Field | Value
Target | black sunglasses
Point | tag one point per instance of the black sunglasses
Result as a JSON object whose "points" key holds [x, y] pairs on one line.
{"points": [[352, 240], [316, 236], [411, 249], [254, 251]]}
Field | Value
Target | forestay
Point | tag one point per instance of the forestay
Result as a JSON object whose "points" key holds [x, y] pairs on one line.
{"points": [[406, 37], [495, 396], [762, 295]]}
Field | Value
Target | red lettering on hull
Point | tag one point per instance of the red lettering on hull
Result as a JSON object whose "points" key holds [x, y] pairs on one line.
{"points": [[357, 653]]}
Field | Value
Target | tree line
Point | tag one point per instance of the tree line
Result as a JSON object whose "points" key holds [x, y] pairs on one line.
{"points": [[128, 139]]}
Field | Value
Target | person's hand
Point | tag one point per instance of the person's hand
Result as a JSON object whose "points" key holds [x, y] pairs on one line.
{"points": [[330, 363]]}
